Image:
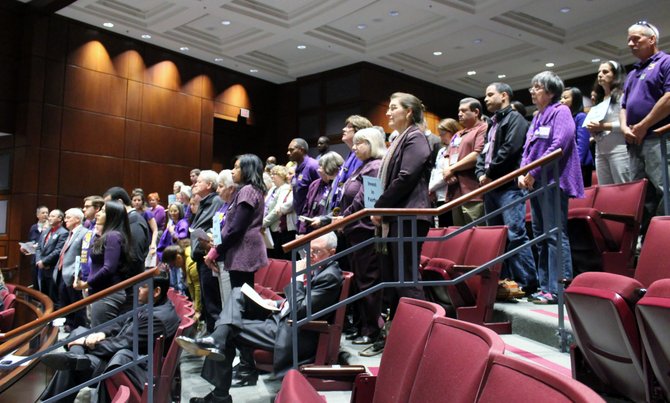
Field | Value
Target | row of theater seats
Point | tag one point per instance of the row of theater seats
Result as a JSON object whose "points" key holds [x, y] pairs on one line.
{"points": [[166, 362], [432, 358], [622, 324], [7, 314]]}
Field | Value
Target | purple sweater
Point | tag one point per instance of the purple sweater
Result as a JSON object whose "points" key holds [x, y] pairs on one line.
{"points": [[353, 197], [106, 266]]}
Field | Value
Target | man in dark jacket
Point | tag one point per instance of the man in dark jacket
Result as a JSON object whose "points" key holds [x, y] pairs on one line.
{"points": [[502, 155], [47, 253]]}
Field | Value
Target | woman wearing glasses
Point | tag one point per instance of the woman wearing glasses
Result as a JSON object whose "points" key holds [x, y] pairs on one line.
{"points": [[612, 162], [552, 128]]}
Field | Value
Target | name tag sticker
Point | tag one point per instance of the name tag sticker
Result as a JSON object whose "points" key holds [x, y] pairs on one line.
{"points": [[486, 148], [453, 158], [543, 132]]}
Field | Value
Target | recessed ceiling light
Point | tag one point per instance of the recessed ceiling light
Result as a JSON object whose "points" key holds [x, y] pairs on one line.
{"points": [[477, 41], [437, 53], [146, 36], [225, 22], [596, 60], [218, 59], [550, 64], [108, 25], [184, 49], [253, 70], [501, 76], [565, 10], [301, 47], [394, 13], [361, 26], [472, 73]]}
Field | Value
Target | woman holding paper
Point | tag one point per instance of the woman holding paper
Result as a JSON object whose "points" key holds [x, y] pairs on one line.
{"points": [[612, 164], [242, 246], [369, 147]]}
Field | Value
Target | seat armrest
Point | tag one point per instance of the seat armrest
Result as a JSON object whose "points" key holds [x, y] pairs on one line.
{"points": [[628, 219], [332, 371], [465, 268], [320, 326]]}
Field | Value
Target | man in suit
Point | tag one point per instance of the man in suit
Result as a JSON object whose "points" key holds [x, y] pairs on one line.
{"points": [[210, 202], [90, 356], [47, 253], [245, 325], [66, 266]]}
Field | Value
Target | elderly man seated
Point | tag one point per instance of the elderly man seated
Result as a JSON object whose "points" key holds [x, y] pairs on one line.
{"points": [[245, 324]]}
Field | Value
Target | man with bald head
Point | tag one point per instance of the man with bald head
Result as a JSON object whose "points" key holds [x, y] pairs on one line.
{"points": [[306, 172]]}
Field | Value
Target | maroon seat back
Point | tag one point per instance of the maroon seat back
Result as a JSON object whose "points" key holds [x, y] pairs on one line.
{"points": [[9, 301], [171, 360], [524, 382], [653, 318], [624, 198], [403, 350], [276, 273], [586, 201], [454, 248], [453, 361], [7, 320], [653, 264], [429, 248], [260, 274], [603, 322]]}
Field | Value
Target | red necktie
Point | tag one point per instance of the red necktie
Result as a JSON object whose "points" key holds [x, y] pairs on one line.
{"points": [[60, 259]]}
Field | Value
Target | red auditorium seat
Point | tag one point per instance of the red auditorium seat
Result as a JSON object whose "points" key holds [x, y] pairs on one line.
{"points": [[429, 248], [114, 383], [653, 318], [601, 310], [403, 351], [511, 379], [454, 360], [606, 221], [9, 301], [7, 320], [330, 333], [473, 299]]}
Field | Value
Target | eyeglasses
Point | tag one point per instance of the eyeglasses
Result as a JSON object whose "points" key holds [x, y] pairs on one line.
{"points": [[316, 252], [535, 88]]}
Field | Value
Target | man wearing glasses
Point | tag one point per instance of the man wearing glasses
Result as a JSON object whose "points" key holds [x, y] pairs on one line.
{"points": [[645, 110], [245, 325]]}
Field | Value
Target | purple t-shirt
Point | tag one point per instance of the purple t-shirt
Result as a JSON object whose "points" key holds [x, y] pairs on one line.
{"points": [[305, 174], [646, 83]]}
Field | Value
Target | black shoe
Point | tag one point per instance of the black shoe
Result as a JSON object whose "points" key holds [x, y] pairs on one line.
{"points": [[376, 348], [66, 361], [210, 398], [202, 347], [246, 379], [363, 340], [353, 335], [242, 371]]}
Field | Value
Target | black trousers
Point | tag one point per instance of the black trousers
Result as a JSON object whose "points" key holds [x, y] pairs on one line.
{"points": [[210, 295]]}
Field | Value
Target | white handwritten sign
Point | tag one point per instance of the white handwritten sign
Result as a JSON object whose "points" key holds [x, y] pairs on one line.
{"points": [[372, 189]]}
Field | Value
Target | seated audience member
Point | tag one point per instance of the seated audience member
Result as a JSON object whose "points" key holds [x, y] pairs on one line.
{"points": [[245, 324], [157, 210], [180, 257], [318, 205], [90, 356], [279, 214]]}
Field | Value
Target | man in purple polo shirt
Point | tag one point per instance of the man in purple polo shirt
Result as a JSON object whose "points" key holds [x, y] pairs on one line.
{"points": [[645, 107], [306, 172]]}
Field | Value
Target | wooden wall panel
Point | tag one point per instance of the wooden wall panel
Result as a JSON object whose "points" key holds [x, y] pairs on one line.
{"points": [[93, 133], [54, 83], [159, 178], [95, 92], [134, 100], [82, 174], [168, 146], [131, 174], [25, 170], [51, 126], [49, 168], [206, 150], [170, 108], [132, 143]]}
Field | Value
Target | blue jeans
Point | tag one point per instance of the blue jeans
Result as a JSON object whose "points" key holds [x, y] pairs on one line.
{"points": [[521, 266], [548, 270]]}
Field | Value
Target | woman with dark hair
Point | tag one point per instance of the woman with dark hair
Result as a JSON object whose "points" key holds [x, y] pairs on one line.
{"points": [[612, 161], [109, 263], [404, 174], [139, 203], [242, 246], [552, 128], [572, 98]]}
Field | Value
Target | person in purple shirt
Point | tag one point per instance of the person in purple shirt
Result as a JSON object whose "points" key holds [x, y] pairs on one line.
{"points": [[353, 124], [157, 210], [645, 108], [92, 205], [306, 172], [317, 204], [109, 263], [242, 245], [552, 128], [369, 147]]}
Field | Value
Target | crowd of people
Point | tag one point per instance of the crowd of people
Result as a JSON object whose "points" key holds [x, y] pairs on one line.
{"points": [[216, 232]]}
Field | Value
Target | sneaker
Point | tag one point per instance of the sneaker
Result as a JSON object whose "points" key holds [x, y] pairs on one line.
{"points": [[535, 296], [546, 299]]}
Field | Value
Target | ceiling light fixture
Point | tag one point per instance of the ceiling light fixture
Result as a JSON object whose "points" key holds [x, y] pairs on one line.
{"points": [[477, 41], [437, 53], [225, 22], [550, 64], [218, 59], [184, 49], [361, 26], [472, 73], [565, 10], [596, 60], [146, 36], [253, 70], [108, 25], [501, 76], [301, 47], [394, 13]]}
